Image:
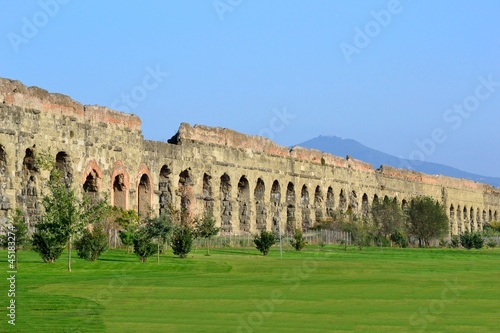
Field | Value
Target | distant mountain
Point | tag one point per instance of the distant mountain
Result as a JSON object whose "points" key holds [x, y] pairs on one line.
{"points": [[343, 147]]}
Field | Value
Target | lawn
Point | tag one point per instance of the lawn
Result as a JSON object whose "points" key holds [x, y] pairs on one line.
{"points": [[238, 290]]}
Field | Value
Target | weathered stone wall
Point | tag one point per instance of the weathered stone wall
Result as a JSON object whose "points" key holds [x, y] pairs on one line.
{"points": [[247, 182]]}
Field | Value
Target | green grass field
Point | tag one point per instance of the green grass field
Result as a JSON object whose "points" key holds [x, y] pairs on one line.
{"points": [[238, 290]]}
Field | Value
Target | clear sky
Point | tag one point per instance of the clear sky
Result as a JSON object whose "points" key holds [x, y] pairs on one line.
{"points": [[416, 79]]}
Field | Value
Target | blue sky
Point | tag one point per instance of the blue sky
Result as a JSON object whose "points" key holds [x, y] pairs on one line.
{"points": [[416, 79]]}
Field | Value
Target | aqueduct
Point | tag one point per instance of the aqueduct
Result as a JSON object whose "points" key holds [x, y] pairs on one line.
{"points": [[247, 182]]}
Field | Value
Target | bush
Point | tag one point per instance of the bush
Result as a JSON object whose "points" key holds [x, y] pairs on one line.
{"points": [[471, 240], [182, 240], [48, 243], [92, 244], [491, 244], [399, 238], [264, 241], [298, 241], [455, 241], [127, 237], [143, 245]]}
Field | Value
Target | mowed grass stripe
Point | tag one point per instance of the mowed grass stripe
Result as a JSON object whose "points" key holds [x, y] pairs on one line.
{"points": [[373, 290]]}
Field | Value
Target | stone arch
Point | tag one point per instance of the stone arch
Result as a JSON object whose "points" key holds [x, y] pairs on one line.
{"points": [[375, 198], [472, 220], [290, 207], [404, 204], [91, 185], [465, 218], [63, 165], [452, 219], [226, 203], [29, 190], [260, 206], [365, 206], [459, 220], [353, 201], [304, 204], [275, 200], [330, 202], [244, 204], [165, 197], [208, 194], [185, 188], [478, 219], [120, 186], [318, 203], [490, 216], [495, 215], [144, 196], [342, 201]]}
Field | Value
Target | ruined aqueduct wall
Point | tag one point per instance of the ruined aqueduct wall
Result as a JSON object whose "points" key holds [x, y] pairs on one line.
{"points": [[247, 182]]}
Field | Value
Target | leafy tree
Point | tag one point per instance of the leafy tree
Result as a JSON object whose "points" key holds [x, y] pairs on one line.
{"points": [[427, 219], [399, 238], [158, 228], [127, 236], [48, 241], [264, 241], [66, 215], [387, 216], [143, 245], [92, 244], [298, 242], [182, 240], [206, 228], [19, 230], [128, 218]]}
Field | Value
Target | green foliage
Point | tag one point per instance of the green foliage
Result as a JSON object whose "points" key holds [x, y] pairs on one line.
{"points": [[205, 228], [264, 241], [455, 241], [158, 228], [127, 236], [491, 244], [48, 241], [92, 244], [387, 217], [143, 245], [427, 220], [298, 241], [128, 218], [399, 238], [182, 240], [471, 240]]}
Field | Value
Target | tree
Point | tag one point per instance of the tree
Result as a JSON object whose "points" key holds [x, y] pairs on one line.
{"points": [[387, 217], [206, 228], [143, 246], [127, 236], [92, 244], [65, 215], [298, 241], [48, 241], [427, 219], [159, 228], [182, 240], [264, 241]]}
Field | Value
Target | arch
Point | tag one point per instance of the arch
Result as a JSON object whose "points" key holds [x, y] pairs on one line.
{"points": [[185, 188], [260, 206], [244, 204], [330, 202], [63, 165], [466, 219], [478, 219], [226, 204], [318, 202], [353, 202], [3, 159], [495, 215], [490, 216], [404, 204], [365, 206], [91, 185], [452, 219], [120, 185], [275, 199], [290, 207], [208, 194], [144, 196], [484, 217], [342, 201], [29, 191], [306, 212], [459, 220], [165, 197], [472, 220]]}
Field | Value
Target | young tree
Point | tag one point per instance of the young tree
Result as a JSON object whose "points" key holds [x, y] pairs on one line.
{"points": [[159, 228], [206, 228], [427, 220], [182, 240], [48, 241], [264, 241], [298, 241], [127, 236], [387, 217], [92, 244], [143, 246]]}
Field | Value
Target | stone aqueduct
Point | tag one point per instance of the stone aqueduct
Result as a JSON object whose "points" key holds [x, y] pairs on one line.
{"points": [[247, 182]]}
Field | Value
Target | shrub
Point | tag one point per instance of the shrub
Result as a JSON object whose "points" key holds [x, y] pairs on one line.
{"points": [[298, 241], [143, 245], [399, 238], [92, 244], [127, 237], [48, 243], [471, 240], [264, 241], [491, 244], [455, 241], [182, 240]]}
